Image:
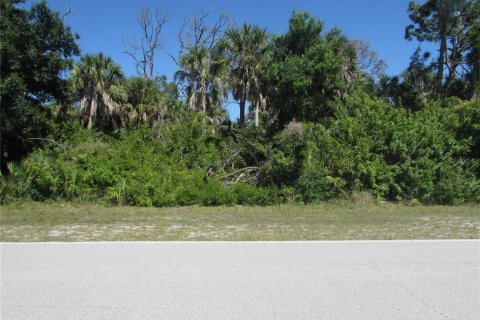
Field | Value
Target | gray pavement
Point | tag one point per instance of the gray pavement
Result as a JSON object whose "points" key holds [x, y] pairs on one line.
{"points": [[241, 280]]}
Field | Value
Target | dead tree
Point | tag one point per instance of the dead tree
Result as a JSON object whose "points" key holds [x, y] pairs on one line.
{"points": [[368, 60], [196, 34], [143, 52], [208, 174], [69, 11], [247, 175]]}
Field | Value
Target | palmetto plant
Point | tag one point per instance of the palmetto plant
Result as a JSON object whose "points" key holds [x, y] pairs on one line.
{"points": [[97, 79], [247, 50], [20, 182], [117, 193]]}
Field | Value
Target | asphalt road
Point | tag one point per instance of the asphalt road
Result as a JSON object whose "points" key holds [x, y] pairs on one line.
{"points": [[241, 280]]}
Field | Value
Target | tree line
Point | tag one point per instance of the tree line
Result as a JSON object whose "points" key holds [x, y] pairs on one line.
{"points": [[319, 118]]}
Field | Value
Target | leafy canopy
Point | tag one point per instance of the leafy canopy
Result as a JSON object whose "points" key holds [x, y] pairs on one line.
{"points": [[36, 53]]}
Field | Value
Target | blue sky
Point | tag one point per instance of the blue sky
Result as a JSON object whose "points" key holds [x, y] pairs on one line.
{"points": [[102, 24]]}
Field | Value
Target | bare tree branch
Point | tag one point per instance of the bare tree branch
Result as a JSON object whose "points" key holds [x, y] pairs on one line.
{"points": [[143, 52], [249, 169], [197, 33], [69, 11], [133, 52], [368, 60]]}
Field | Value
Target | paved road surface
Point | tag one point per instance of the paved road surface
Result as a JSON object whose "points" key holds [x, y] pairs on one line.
{"points": [[241, 280]]}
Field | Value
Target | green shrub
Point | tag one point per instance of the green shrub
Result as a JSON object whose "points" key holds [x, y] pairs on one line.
{"points": [[214, 194], [249, 195], [367, 148]]}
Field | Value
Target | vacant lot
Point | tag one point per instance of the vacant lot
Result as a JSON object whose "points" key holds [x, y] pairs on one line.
{"points": [[30, 221]]}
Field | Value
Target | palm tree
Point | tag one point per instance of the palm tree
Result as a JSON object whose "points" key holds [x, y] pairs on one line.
{"points": [[204, 71], [96, 78], [247, 49], [218, 79], [188, 73], [144, 101], [342, 47]]}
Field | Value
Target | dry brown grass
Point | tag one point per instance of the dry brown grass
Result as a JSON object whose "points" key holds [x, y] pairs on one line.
{"points": [[29, 221]]}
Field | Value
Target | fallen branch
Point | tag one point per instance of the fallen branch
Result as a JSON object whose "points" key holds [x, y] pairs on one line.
{"points": [[247, 175], [239, 171]]}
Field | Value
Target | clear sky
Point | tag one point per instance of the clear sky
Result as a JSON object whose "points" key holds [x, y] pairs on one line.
{"points": [[102, 24]]}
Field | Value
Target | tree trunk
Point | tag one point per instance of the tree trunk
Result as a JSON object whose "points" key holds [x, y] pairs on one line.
{"points": [[243, 100], [83, 110], [152, 57], [91, 112], [83, 104], [260, 105], [475, 79], [191, 100], [203, 91], [440, 63], [191, 83]]}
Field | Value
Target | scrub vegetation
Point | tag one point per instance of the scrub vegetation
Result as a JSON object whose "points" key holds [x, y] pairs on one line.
{"points": [[319, 121]]}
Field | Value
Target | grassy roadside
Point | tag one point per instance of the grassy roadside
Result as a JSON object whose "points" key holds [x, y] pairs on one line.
{"points": [[29, 221]]}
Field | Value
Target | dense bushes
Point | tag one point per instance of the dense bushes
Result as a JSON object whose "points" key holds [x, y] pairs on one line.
{"points": [[324, 126], [429, 156], [145, 167], [393, 153]]}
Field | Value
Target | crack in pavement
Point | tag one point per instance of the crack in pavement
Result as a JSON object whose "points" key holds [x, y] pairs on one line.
{"points": [[408, 291]]}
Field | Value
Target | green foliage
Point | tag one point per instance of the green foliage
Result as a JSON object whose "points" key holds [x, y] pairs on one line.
{"points": [[309, 73], [452, 25], [285, 159], [402, 155], [247, 51], [324, 133], [96, 79], [428, 156], [249, 195], [304, 31], [17, 185], [36, 49], [145, 102], [164, 166], [416, 85], [392, 153], [468, 126], [203, 75]]}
